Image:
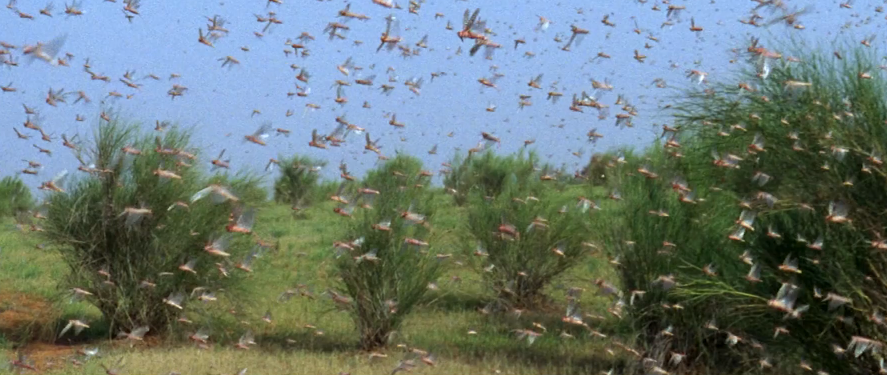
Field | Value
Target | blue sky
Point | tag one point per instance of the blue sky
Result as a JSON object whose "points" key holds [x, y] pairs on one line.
{"points": [[163, 40]]}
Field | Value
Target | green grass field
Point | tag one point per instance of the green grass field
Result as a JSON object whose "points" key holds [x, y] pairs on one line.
{"points": [[309, 335]]}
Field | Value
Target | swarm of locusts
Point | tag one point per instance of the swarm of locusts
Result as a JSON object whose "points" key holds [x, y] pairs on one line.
{"points": [[358, 80]]}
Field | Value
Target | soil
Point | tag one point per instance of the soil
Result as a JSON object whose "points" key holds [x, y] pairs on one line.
{"points": [[45, 356], [23, 317], [18, 311]]}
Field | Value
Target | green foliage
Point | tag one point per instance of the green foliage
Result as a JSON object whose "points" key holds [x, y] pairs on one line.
{"points": [[599, 168], [298, 179], [653, 234], [325, 189], [488, 172], [595, 170], [797, 150], [386, 276], [92, 226], [526, 240], [249, 186], [15, 197]]}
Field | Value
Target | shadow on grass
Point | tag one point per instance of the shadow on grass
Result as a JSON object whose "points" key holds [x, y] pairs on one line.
{"points": [[495, 343], [307, 341], [587, 363], [449, 301], [571, 349], [98, 331], [579, 355]]}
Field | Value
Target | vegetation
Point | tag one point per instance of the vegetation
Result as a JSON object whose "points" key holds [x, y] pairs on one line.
{"points": [[15, 197], [750, 237], [795, 191], [389, 269], [526, 239], [488, 173], [133, 233], [298, 178], [601, 166], [305, 334]]}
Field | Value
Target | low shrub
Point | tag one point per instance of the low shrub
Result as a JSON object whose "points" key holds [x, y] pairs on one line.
{"points": [[133, 231], [387, 261], [525, 240]]}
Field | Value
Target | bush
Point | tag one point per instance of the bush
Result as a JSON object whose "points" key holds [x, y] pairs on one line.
{"points": [[488, 173], [389, 272], [326, 189], [651, 234], [525, 241], [298, 178], [125, 228], [249, 186], [15, 197], [601, 165], [809, 140]]}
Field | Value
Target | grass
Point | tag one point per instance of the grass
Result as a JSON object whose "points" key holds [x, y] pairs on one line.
{"points": [[305, 255], [23, 266], [189, 360]]}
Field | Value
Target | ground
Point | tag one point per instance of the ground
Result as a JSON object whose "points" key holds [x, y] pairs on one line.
{"points": [[33, 310]]}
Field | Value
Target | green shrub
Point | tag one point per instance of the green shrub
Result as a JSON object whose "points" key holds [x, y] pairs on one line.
{"points": [[488, 172], [249, 186], [325, 189], [298, 178], [600, 167], [652, 233], [15, 197], [525, 239], [124, 229], [801, 149], [386, 276]]}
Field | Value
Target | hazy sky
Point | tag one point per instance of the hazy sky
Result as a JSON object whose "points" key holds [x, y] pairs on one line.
{"points": [[219, 102]]}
